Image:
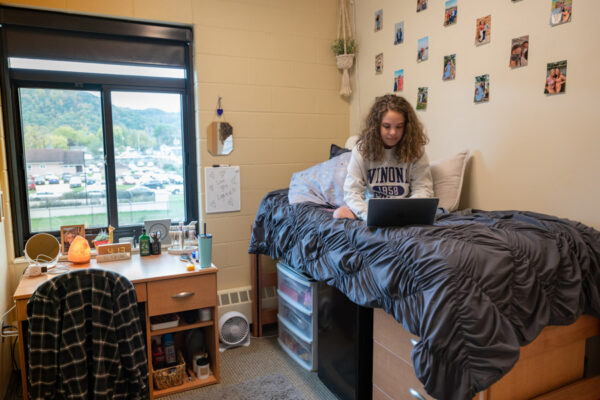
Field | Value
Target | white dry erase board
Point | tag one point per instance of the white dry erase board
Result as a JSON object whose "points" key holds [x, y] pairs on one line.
{"points": [[222, 189]]}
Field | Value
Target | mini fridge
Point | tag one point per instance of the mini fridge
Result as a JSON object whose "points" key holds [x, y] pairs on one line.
{"points": [[345, 345]]}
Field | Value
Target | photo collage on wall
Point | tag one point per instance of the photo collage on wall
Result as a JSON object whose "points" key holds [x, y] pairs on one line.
{"points": [[449, 67], [423, 49], [422, 98], [483, 30], [561, 12], [519, 52], [556, 77], [482, 88], [450, 14], [398, 80], [378, 20], [399, 33], [379, 63], [556, 72]]}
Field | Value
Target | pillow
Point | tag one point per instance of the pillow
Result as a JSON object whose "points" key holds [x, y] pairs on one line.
{"points": [[336, 150], [447, 175], [321, 184]]}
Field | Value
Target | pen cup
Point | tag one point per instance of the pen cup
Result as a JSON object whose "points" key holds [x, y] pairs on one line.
{"points": [[205, 250]]}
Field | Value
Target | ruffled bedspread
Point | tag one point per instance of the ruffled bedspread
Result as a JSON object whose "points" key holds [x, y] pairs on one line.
{"points": [[474, 287]]}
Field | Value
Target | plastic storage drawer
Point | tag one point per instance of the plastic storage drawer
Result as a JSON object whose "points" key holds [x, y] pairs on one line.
{"points": [[303, 353], [295, 288], [293, 316]]}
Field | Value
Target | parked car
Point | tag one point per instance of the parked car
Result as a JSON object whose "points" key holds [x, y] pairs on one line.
{"points": [[52, 179], [153, 184], [75, 182], [66, 177], [90, 181], [137, 193], [39, 180], [177, 189], [31, 183], [128, 180]]}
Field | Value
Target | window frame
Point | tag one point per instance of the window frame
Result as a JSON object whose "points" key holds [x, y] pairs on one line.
{"points": [[13, 79]]}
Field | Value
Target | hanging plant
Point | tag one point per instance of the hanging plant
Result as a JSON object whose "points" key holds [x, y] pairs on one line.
{"points": [[338, 46], [343, 48]]}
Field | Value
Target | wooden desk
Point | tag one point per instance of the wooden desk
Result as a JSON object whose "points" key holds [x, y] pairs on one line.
{"points": [[156, 279]]}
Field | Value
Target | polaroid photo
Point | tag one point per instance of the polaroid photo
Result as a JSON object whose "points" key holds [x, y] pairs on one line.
{"points": [[483, 30], [450, 13], [519, 52], [423, 49], [449, 67], [556, 77], [378, 20], [421, 5], [379, 63], [68, 234], [398, 80], [482, 88], [561, 11], [422, 98], [399, 33]]}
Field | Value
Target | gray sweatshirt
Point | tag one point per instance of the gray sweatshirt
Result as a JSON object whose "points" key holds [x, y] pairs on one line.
{"points": [[387, 178]]}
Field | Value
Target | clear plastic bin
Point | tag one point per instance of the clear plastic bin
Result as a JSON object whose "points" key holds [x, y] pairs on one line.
{"points": [[301, 321], [303, 353], [294, 287]]}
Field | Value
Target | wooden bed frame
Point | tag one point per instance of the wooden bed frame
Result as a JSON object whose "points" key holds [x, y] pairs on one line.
{"points": [[549, 368]]}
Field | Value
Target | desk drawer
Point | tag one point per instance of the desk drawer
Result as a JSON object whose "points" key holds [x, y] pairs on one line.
{"points": [[181, 294]]}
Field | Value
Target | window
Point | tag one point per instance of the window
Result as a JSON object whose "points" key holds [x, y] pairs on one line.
{"points": [[98, 122]]}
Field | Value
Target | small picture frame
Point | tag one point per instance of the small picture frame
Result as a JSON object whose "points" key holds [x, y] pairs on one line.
{"points": [[483, 30], [556, 77], [482, 89], [398, 80], [423, 49], [421, 5], [68, 233], [449, 67], [399, 33]]}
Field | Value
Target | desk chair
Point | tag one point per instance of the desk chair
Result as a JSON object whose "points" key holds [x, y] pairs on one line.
{"points": [[85, 338]]}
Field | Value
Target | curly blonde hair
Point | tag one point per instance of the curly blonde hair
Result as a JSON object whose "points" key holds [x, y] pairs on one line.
{"points": [[410, 148]]}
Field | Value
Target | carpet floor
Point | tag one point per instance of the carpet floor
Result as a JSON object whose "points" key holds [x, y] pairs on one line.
{"points": [[262, 361]]}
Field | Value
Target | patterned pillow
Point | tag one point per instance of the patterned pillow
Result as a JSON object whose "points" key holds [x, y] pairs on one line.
{"points": [[321, 184]]}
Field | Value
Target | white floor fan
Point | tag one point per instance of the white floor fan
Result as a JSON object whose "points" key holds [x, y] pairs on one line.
{"points": [[234, 330]]}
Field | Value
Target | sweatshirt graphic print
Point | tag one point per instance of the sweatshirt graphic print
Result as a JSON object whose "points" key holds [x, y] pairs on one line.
{"points": [[387, 178]]}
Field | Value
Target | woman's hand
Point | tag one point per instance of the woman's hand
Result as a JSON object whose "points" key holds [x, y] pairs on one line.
{"points": [[344, 212]]}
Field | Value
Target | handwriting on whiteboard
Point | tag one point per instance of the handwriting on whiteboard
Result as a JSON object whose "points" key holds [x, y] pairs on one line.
{"points": [[222, 187]]}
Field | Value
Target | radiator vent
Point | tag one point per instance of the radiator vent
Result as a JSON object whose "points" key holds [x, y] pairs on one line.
{"points": [[240, 300]]}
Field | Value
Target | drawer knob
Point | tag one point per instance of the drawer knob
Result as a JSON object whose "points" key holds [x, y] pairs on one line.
{"points": [[414, 342], [416, 394], [182, 295]]}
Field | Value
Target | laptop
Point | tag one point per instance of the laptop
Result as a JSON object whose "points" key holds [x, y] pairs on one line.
{"points": [[401, 212]]}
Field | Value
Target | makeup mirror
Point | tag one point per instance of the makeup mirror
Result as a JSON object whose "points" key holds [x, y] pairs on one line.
{"points": [[220, 138]]}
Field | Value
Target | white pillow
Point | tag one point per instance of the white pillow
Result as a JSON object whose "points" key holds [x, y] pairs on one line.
{"points": [[447, 175]]}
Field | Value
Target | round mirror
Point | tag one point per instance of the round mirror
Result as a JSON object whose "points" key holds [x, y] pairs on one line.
{"points": [[220, 138], [42, 248]]}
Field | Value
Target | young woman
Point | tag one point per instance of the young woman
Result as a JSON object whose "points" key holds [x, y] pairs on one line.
{"points": [[389, 158]]}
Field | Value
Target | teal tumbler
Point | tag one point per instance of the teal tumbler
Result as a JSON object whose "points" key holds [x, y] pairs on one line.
{"points": [[205, 250]]}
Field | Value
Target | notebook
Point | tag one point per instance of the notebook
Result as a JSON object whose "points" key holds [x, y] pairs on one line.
{"points": [[401, 212]]}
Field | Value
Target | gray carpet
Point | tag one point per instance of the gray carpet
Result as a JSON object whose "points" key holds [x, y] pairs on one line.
{"points": [[263, 358], [270, 387]]}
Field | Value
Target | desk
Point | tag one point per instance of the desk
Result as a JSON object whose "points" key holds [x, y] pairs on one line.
{"points": [[156, 279]]}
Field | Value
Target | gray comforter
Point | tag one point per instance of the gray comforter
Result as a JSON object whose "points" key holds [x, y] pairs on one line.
{"points": [[474, 287]]}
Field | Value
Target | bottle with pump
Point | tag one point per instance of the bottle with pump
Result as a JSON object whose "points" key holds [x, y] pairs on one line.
{"points": [[144, 243]]}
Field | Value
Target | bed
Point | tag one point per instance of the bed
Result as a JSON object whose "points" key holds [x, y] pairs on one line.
{"points": [[469, 291]]}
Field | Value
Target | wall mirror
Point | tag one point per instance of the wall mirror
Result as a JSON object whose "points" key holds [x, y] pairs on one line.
{"points": [[220, 138]]}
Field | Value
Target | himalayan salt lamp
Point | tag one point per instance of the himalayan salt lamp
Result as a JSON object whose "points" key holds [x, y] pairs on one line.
{"points": [[79, 251]]}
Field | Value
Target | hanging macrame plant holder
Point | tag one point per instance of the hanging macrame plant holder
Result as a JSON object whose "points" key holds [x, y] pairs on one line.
{"points": [[345, 61]]}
